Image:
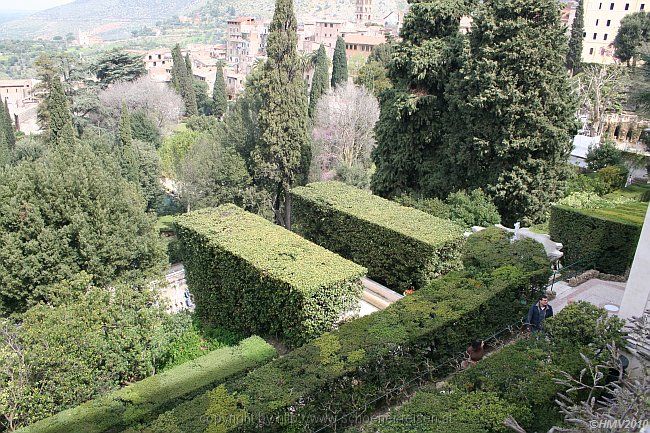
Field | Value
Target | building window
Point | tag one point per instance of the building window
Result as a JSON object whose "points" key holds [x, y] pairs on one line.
{"points": [[627, 6], [600, 6], [605, 37], [611, 6], [609, 22], [591, 51], [597, 22], [154, 63], [642, 6], [584, 34], [595, 36]]}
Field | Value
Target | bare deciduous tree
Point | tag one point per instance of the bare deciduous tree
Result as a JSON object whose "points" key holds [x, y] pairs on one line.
{"points": [[344, 128], [600, 90], [157, 99], [14, 383]]}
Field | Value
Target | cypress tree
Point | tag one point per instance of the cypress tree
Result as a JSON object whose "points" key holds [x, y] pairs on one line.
{"points": [[411, 126], [282, 157], [574, 56], [7, 125], [320, 82], [60, 118], [128, 156], [4, 145], [182, 81], [510, 129], [219, 97], [339, 63], [188, 65]]}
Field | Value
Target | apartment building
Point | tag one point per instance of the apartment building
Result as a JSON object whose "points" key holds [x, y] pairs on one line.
{"points": [[602, 19], [363, 12], [246, 42]]}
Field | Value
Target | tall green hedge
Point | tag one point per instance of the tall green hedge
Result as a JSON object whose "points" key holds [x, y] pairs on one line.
{"points": [[149, 397], [402, 247], [604, 239], [252, 276], [517, 380], [353, 368]]}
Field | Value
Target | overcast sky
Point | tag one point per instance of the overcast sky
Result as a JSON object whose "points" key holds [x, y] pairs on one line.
{"points": [[30, 5]]}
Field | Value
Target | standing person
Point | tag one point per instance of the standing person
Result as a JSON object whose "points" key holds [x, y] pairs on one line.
{"points": [[539, 312]]}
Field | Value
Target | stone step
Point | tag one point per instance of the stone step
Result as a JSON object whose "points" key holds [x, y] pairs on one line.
{"points": [[375, 300], [381, 291]]}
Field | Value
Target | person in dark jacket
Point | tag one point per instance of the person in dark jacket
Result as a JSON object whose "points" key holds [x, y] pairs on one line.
{"points": [[538, 313]]}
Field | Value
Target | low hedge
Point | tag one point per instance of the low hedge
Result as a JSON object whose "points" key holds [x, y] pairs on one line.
{"points": [[250, 275], [603, 239], [356, 367], [492, 248], [147, 398], [402, 247], [516, 381]]}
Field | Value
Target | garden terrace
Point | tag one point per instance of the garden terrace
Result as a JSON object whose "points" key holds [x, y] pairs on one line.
{"points": [[603, 238], [153, 395], [402, 247], [352, 369], [252, 276]]}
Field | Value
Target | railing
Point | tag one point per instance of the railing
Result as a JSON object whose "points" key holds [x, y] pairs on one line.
{"points": [[569, 271]]}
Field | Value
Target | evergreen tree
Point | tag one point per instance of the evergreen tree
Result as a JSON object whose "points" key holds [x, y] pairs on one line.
{"points": [[116, 66], [8, 125], [60, 118], [188, 65], [127, 152], [219, 97], [633, 34], [65, 216], [183, 81], [574, 56], [410, 127], [510, 129], [284, 154], [339, 63], [320, 82]]}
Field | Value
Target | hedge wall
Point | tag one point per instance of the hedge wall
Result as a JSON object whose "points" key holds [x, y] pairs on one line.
{"points": [[603, 239], [402, 247], [252, 276], [345, 370], [517, 380], [149, 397]]}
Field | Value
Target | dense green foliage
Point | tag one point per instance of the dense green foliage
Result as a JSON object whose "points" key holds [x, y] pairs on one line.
{"points": [[350, 369], [491, 248], [582, 324], [320, 82], [604, 155], [60, 129], [148, 397], [401, 247], [144, 128], [115, 66], [516, 381], [173, 151], [374, 74], [574, 55], [90, 342], [183, 81], [339, 63], [282, 156], [219, 97], [250, 275], [66, 213], [604, 239], [466, 210], [455, 122], [633, 33]]}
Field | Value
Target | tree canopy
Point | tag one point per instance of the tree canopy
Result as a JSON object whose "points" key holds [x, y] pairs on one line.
{"points": [[320, 81], [574, 55], [339, 63], [116, 66], [633, 33], [219, 97]]}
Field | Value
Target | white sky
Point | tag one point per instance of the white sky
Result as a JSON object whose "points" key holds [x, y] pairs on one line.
{"points": [[30, 5]]}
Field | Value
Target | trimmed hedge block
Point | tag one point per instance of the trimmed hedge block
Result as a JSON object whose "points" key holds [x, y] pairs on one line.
{"points": [[402, 247], [250, 275], [151, 396], [342, 371], [603, 239]]}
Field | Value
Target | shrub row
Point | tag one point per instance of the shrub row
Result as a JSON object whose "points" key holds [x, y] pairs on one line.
{"points": [[402, 247], [147, 398], [604, 239], [517, 381], [250, 275], [353, 368]]}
